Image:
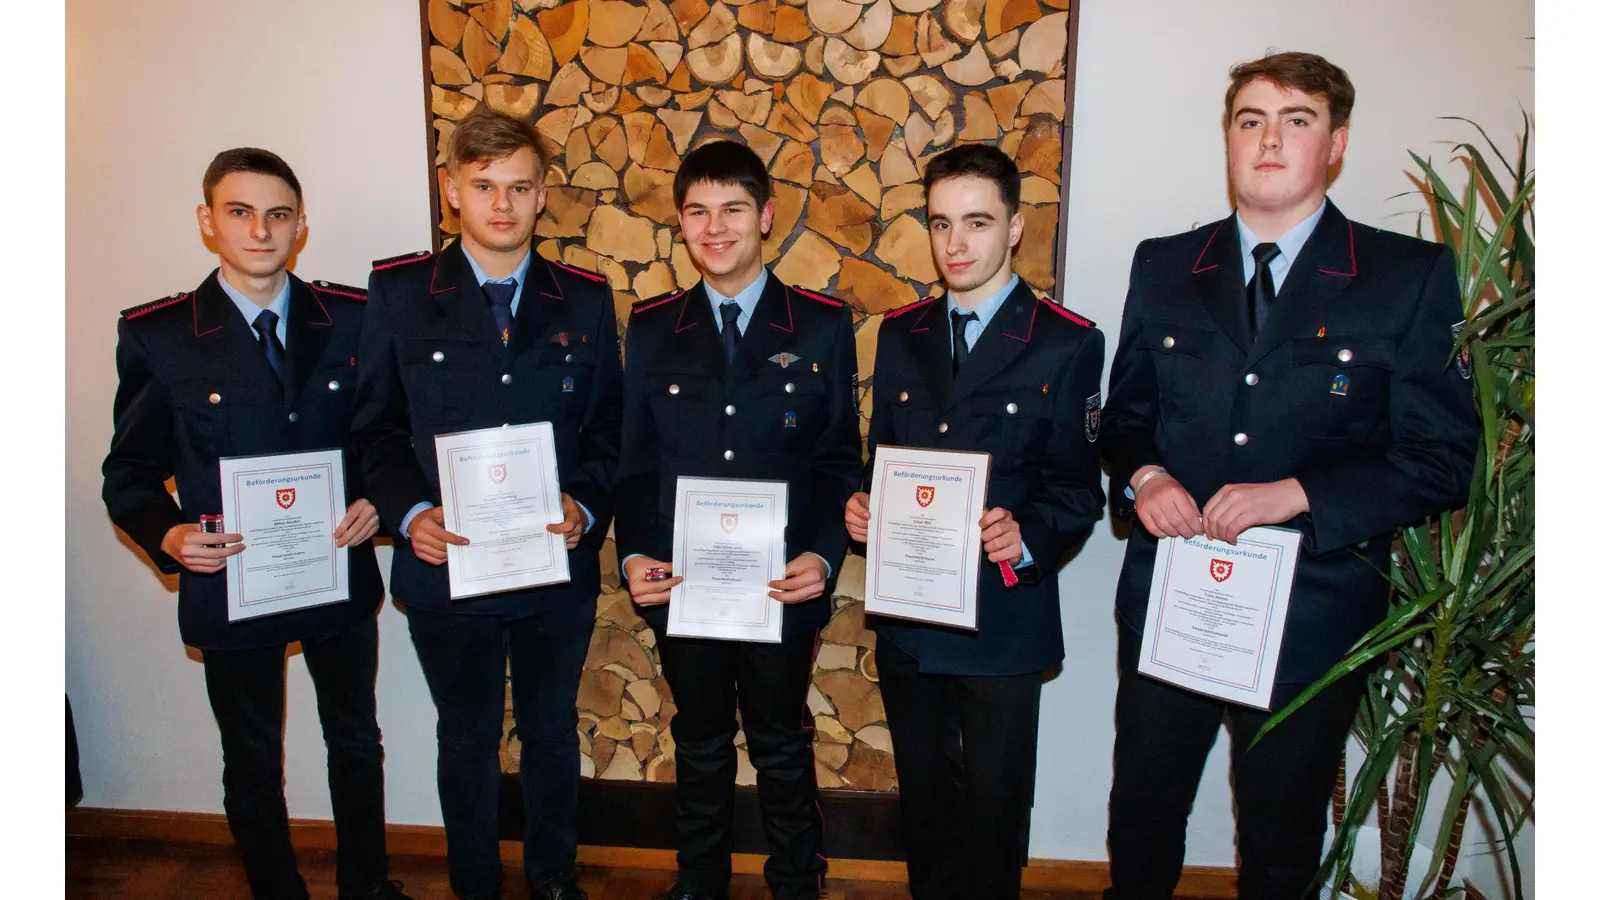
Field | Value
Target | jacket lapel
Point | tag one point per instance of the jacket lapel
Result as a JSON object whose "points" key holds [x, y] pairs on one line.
{"points": [[1003, 340], [1218, 280], [771, 328], [697, 344], [1324, 269], [455, 288], [539, 306], [220, 328], [930, 347], [310, 327]]}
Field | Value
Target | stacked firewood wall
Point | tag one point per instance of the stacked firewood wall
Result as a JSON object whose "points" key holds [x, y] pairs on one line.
{"points": [[846, 102]]}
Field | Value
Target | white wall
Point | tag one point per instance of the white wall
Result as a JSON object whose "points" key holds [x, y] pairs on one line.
{"points": [[155, 89]]}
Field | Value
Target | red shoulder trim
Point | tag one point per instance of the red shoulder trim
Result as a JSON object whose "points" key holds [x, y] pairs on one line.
{"points": [[393, 261], [819, 297], [905, 309], [1066, 313], [343, 290], [643, 305], [577, 271], [144, 309]]}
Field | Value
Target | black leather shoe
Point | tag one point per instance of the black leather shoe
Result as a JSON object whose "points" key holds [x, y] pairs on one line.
{"points": [[678, 893], [560, 889], [389, 890]]}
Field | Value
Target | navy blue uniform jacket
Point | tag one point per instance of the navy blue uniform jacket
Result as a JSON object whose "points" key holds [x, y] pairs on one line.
{"points": [[193, 385], [1351, 388], [432, 362]]}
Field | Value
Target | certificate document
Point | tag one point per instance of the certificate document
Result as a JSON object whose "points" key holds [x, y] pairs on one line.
{"points": [[923, 540], [286, 507], [727, 544], [499, 489], [1215, 620]]}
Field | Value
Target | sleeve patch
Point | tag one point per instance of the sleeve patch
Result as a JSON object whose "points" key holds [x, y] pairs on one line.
{"points": [[1091, 418]]}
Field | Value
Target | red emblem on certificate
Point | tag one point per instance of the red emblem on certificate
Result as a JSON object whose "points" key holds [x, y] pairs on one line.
{"points": [[497, 473], [286, 497], [730, 521], [1220, 570], [924, 494]]}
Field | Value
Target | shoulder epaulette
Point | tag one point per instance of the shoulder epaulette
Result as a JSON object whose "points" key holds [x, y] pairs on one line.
{"points": [[134, 312], [822, 298], [654, 302], [577, 271], [1065, 313], [343, 290], [905, 309], [401, 260]]}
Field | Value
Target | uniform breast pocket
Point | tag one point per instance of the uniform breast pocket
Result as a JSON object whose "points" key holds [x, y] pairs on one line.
{"points": [[911, 407], [566, 375], [438, 376], [329, 390], [795, 400], [1178, 352], [221, 416], [1012, 425], [678, 404], [1345, 384]]}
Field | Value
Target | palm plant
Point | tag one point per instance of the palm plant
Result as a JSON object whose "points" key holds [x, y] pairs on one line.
{"points": [[1452, 690]]}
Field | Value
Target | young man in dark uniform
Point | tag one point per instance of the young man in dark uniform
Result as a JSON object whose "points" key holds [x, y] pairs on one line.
{"points": [[256, 361], [989, 368], [740, 376], [1283, 366], [484, 334]]}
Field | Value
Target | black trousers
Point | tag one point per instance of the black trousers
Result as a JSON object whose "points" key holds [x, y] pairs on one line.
{"points": [[965, 748], [1281, 787], [464, 662], [246, 691], [767, 683]]}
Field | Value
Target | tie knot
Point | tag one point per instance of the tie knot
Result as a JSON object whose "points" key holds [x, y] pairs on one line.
{"points": [[1265, 253], [500, 292], [730, 313], [266, 322], [960, 319]]}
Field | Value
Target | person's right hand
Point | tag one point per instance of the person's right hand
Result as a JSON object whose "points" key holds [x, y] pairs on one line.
{"points": [[1165, 508], [649, 593], [856, 516], [187, 544], [429, 537]]}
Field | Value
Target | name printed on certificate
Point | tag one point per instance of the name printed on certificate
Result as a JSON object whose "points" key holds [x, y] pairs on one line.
{"points": [[499, 489], [727, 543], [1215, 620], [286, 507], [924, 546]]}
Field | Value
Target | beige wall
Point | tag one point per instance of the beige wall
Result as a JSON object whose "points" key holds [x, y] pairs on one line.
{"points": [[155, 89]]}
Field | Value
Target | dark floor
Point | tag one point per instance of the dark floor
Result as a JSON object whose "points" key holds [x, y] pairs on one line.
{"points": [[159, 870]]}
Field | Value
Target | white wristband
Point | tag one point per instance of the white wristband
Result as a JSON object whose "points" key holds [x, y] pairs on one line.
{"points": [[1147, 476]]}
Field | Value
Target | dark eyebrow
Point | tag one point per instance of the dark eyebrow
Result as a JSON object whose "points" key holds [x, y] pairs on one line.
{"points": [[1306, 110], [983, 216], [235, 204]]}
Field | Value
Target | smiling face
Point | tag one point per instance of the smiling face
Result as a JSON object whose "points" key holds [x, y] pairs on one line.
{"points": [[1281, 144], [255, 222], [499, 202], [972, 236], [723, 228]]}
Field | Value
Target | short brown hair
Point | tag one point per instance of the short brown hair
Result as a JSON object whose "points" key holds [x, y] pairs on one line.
{"points": [[486, 134], [723, 162], [1306, 72], [248, 159]]}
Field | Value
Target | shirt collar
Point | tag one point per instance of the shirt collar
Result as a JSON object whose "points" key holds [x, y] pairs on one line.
{"points": [[1289, 244], [989, 306], [249, 309], [520, 275], [747, 298]]}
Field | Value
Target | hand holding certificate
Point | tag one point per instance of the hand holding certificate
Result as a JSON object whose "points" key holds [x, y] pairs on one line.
{"points": [[1215, 620], [499, 489], [286, 508], [727, 544], [924, 545]]}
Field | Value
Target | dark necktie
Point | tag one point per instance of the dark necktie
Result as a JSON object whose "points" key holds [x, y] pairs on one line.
{"points": [[500, 295], [958, 330], [266, 325], [1259, 293], [730, 329]]}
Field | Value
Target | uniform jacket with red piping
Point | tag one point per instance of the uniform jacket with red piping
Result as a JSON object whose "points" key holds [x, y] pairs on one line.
{"points": [[432, 362], [784, 411], [193, 385], [1028, 396], [1350, 388]]}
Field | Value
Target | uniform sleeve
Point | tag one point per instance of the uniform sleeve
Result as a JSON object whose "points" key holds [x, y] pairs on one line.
{"points": [[1427, 465], [836, 460], [1067, 499], [880, 430], [600, 435], [1129, 420], [143, 454], [380, 424]]}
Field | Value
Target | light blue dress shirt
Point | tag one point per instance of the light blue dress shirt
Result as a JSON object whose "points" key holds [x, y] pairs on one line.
{"points": [[747, 300], [250, 309], [985, 311], [1289, 246]]}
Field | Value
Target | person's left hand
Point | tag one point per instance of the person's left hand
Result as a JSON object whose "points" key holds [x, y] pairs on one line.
{"points": [[572, 524], [359, 524], [804, 578], [1002, 536], [1239, 506]]}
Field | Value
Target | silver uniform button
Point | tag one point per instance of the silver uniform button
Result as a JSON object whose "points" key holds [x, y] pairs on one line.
{"points": [[1241, 439], [728, 409], [1252, 379], [506, 378], [294, 417], [943, 427], [904, 396], [727, 455], [672, 389], [438, 356], [1167, 342], [333, 385], [1345, 355], [215, 399], [1011, 408], [788, 388], [569, 357]]}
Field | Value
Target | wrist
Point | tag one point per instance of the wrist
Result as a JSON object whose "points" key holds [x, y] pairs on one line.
{"points": [[1143, 476]]}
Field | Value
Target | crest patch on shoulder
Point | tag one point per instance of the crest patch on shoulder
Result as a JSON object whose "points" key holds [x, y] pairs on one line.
{"points": [[1091, 418]]}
